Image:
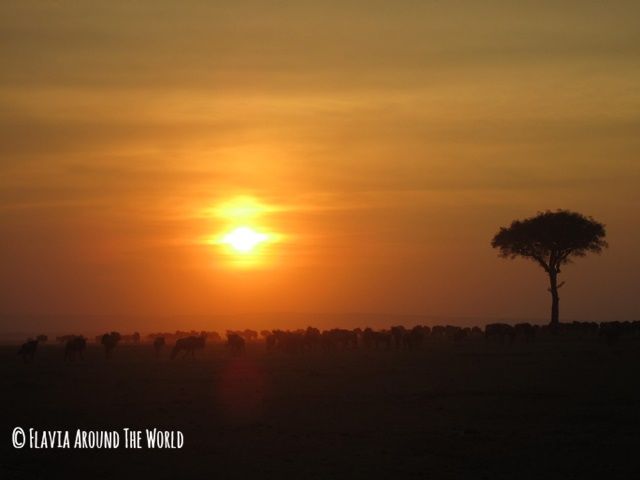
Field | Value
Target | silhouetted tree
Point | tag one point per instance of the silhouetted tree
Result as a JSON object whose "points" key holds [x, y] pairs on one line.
{"points": [[551, 239]]}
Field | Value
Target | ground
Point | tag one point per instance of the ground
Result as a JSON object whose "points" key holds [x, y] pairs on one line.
{"points": [[551, 409]]}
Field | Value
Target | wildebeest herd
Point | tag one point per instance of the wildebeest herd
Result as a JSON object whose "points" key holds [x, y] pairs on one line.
{"points": [[411, 402], [311, 339]]}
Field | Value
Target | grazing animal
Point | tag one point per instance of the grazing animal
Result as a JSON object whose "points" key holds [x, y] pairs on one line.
{"points": [[439, 331], [312, 338], [158, 344], [188, 345], [397, 333], [367, 338], [133, 338], [373, 339], [270, 341], [610, 332], [250, 335], [526, 331], [75, 347], [500, 332], [414, 339], [109, 341], [458, 334], [212, 336], [235, 343], [338, 338], [28, 350], [42, 338], [476, 332]]}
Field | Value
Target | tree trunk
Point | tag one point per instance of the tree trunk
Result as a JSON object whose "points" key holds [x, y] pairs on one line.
{"points": [[555, 300]]}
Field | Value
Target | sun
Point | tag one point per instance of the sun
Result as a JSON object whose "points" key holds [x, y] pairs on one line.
{"points": [[244, 239]]}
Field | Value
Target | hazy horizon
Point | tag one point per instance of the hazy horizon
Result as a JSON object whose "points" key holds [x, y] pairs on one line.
{"points": [[34, 324]]}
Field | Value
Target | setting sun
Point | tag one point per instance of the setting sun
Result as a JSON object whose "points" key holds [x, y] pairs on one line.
{"points": [[243, 239]]}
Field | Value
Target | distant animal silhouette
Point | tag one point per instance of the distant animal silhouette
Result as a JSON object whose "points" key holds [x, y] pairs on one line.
{"points": [[610, 332], [28, 350], [312, 338], [235, 343], [133, 338], [109, 341], [376, 339], [247, 335], [339, 338], [397, 335], [212, 336], [286, 341], [524, 331], [75, 347], [250, 335], [158, 345], [414, 338], [42, 338], [189, 345], [270, 340], [500, 332]]}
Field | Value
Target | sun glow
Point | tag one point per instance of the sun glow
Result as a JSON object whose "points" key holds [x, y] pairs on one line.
{"points": [[240, 208], [244, 239]]}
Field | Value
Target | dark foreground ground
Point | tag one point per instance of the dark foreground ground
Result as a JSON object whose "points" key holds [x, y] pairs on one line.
{"points": [[548, 410]]}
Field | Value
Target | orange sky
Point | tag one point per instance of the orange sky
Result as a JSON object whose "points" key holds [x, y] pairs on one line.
{"points": [[387, 141]]}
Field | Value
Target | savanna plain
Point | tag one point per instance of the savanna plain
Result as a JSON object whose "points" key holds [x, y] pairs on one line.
{"points": [[550, 408]]}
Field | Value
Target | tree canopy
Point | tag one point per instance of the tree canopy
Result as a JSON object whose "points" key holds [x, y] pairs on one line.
{"points": [[551, 238]]}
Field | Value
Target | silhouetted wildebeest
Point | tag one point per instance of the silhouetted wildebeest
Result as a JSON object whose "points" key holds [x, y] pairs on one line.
{"points": [[339, 338], [457, 334], [235, 343], [439, 332], [133, 338], [286, 341], [296, 341], [578, 330], [65, 338], [212, 336], [188, 345], [524, 331], [367, 339], [500, 332], [312, 338], [611, 332], [28, 350], [158, 345], [270, 340], [109, 341], [414, 338], [75, 346], [397, 334], [376, 339], [42, 338], [248, 335]]}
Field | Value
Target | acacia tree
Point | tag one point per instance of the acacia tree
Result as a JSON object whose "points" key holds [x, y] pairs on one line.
{"points": [[552, 239]]}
